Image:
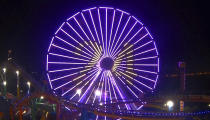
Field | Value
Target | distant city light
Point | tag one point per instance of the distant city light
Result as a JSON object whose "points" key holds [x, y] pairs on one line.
{"points": [[5, 83], [79, 91], [101, 104], [4, 70], [97, 93], [209, 105], [42, 97]]}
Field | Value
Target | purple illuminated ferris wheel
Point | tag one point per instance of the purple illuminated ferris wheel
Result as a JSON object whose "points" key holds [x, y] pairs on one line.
{"points": [[102, 55]]}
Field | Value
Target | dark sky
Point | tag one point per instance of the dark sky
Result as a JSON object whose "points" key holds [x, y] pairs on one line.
{"points": [[180, 27]]}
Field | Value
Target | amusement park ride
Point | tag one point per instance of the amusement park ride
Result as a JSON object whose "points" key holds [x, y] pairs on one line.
{"points": [[102, 63]]}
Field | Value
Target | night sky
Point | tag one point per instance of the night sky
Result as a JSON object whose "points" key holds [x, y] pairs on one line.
{"points": [[180, 28]]}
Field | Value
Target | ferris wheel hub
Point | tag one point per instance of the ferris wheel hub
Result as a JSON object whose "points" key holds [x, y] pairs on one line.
{"points": [[107, 63]]}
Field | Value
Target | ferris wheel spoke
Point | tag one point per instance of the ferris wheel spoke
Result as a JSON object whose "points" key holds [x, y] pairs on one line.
{"points": [[135, 80], [60, 70], [132, 91], [114, 55], [78, 83], [140, 70], [154, 65], [139, 46], [113, 51], [85, 34], [96, 76], [146, 51], [145, 71], [81, 28], [69, 57], [137, 59], [72, 45], [130, 39], [116, 31], [80, 38], [110, 92], [135, 49], [133, 85], [105, 92], [146, 58], [123, 51], [135, 34], [88, 26], [81, 71], [121, 95], [106, 35], [75, 40], [71, 88], [70, 81], [70, 51], [146, 78], [113, 90], [92, 74], [71, 37], [102, 88], [110, 37], [65, 76], [102, 37], [141, 38], [94, 26], [67, 63], [98, 51], [98, 86], [127, 86], [138, 75], [90, 95], [126, 71], [67, 43]]}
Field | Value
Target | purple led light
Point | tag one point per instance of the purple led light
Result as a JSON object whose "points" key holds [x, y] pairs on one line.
{"points": [[49, 81], [116, 31], [102, 38], [90, 85], [138, 20], [50, 44], [111, 30], [121, 34], [60, 27], [89, 36], [73, 16], [122, 11], [125, 38]]}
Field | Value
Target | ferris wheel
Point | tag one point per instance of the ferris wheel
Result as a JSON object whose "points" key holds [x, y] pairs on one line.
{"points": [[102, 55]]}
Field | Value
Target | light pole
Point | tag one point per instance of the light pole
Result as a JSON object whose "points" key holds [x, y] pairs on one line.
{"points": [[79, 91], [4, 81], [170, 105], [29, 85], [5, 87], [98, 94], [18, 84]]}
